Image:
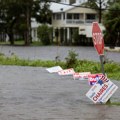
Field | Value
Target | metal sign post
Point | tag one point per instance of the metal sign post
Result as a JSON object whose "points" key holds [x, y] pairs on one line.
{"points": [[102, 64]]}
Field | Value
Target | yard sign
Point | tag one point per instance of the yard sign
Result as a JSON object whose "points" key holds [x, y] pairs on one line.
{"points": [[102, 90]]}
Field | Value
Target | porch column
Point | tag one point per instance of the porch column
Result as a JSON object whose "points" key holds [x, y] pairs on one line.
{"points": [[59, 36], [68, 35], [71, 36], [36, 35], [64, 36], [56, 35], [53, 35], [84, 17]]}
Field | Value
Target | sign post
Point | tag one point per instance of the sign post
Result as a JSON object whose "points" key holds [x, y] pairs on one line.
{"points": [[102, 63], [98, 43]]}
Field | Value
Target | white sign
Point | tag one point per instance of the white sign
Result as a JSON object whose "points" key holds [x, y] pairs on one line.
{"points": [[81, 75], [102, 90], [67, 72], [54, 69], [97, 37]]}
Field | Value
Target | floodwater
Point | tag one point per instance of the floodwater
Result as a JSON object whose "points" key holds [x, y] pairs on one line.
{"points": [[51, 52], [31, 93]]}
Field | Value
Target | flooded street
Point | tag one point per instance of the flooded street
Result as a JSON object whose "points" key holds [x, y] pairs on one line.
{"points": [[31, 93], [51, 52]]}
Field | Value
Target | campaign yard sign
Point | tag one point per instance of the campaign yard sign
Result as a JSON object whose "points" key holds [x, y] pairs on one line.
{"points": [[54, 69], [102, 90], [97, 38], [69, 71], [93, 78], [81, 75]]}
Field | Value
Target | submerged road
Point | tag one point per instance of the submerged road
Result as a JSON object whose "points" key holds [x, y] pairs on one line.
{"points": [[31, 93]]}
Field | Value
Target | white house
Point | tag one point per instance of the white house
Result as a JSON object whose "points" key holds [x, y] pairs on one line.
{"points": [[67, 17], [55, 7]]}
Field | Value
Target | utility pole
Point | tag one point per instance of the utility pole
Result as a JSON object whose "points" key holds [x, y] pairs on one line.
{"points": [[100, 11]]}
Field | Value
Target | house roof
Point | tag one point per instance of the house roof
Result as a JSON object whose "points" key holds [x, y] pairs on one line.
{"points": [[62, 7], [59, 7]]}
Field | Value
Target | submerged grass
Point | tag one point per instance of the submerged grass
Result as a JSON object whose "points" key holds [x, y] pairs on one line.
{"points": [[112, 69], [114, 103], [14, 60]]}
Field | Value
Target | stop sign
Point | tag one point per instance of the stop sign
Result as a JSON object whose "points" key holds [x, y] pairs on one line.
{"points": [[97, 38]]}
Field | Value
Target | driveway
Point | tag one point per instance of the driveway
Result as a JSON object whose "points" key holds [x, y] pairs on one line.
{"points": [[31, 93]]}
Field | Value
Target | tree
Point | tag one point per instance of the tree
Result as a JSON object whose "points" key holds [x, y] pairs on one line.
{"points": [[111, 21], [9, 16], [14, 11], [97, 5], [38, 9], [2, 23], [41, 12], [111, 2], [26, 9], [44, 34]]}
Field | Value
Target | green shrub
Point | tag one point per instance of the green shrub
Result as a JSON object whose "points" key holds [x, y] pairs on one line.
{"points": [[71, 59], [76, 37], [44, 34]]}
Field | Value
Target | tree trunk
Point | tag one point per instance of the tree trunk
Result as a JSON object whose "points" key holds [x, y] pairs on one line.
{"points": [[100, 11], [28, 22], [11, 38]]}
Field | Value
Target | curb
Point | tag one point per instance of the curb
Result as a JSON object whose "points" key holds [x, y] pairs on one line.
{"points": [[115, 49]]}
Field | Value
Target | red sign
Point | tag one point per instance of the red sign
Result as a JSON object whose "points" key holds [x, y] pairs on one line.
{"points": [[98, 38]]}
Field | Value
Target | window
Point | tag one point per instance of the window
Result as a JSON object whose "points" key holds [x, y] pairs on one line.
{"points": [[76, 16], [69, 16], [53, 16], [63, 15], [90, 16], [58, 16], [81, 16], [72, 1]]}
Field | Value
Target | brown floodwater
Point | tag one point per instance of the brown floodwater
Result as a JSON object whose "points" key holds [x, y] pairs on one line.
{"points": [[31, 93]]}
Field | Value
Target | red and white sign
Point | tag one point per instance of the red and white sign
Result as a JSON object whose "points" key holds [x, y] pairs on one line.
{"points": [[81, 75], [102, 90], [93, 78], [67, 72], [97, 38]]}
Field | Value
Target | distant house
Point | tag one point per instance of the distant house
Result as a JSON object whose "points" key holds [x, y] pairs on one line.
{"points": [[34, 26], [67, 18], [55, 7]]}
